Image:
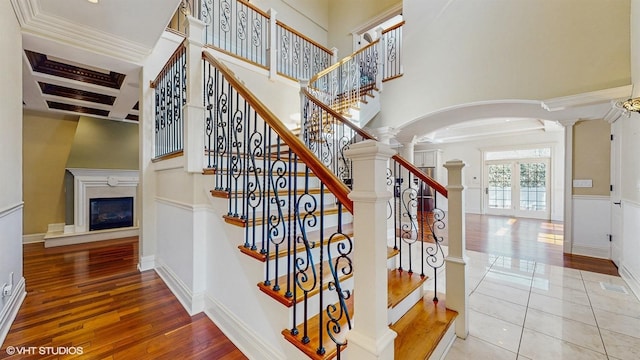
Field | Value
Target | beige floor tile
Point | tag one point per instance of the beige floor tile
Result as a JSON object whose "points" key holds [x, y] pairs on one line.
{"points": [[509, 279], [538, 346], [559, 280], [568, 310], [578, 296], [498, 308], [495, 331], [616, 322], [545, 270], [474, 348], [619, 306], [621, 346], [575, 332], [504, 292]]}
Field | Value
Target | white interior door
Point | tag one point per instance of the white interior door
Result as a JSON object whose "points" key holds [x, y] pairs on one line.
{"points": [[615, 196]]}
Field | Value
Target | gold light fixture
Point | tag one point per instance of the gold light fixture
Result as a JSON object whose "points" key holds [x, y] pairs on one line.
{"points": [[632, 104]]}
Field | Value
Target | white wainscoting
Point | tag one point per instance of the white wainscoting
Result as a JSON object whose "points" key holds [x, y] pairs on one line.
{"points": [[11, 262], [242, 335], [591, 226], [179, 247], [630, 265]]}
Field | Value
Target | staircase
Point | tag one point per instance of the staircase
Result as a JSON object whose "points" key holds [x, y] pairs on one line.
{"points": [[289, 195]]}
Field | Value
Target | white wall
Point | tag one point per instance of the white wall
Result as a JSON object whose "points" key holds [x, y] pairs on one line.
{"points": [[457, 52], [471, 153], [308, 17], [10, 164]]}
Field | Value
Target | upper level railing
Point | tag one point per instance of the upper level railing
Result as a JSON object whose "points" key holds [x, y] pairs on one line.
{"points": [[343, 83], [242, 30], [392, 43], [170, 97]]}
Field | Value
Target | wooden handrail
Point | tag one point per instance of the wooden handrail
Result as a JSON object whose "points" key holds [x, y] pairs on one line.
{"points": [[169, 63], [255, 8], [439, 188], [341, 62], [287, 27], [332, 183], [393, 27]]}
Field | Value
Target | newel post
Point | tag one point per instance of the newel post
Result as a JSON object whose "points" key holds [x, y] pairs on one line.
{"points": [[193, 111], [370, 338], [456, 260]]}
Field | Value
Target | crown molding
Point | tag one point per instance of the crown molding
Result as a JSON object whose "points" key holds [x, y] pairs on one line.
{"points": [[32, 20], [588, 98]]}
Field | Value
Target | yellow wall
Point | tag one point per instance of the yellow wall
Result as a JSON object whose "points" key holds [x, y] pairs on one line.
{"points": [[591, 156], [104, 144], [47, 142], [347, 15]]}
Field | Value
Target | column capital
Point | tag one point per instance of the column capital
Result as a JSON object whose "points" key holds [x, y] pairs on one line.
{"points": [[568, 123], [385, 133]]}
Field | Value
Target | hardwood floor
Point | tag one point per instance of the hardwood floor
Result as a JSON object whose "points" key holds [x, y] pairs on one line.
{"points": [[528, 239], [92, 297]]}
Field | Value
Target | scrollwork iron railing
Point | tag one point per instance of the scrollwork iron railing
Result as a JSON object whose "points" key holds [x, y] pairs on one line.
{"points": [[170, 96], [341, 85], [241, 29], [298, 56], [416, 226], [293, 209], [392, 63], [237, 27]]}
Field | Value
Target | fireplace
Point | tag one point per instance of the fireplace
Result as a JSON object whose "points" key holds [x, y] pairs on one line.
{"points": [[110, 213]]}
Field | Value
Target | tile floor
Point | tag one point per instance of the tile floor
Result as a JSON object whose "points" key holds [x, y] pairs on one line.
{"points": [[526, 310]]}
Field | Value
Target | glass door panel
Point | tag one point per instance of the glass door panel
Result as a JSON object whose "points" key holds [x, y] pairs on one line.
{"points": [[499, 188], [533, 186]]}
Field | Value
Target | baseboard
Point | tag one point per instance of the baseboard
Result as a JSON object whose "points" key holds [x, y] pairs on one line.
{"points": [[631, 280], [192, 303], [244, 337], [592, 251], [32, 238], [146, 263], [10, 311]]}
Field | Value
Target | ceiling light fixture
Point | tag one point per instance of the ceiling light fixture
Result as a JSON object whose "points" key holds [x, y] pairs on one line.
{"points": [[632, 104], [93, 1]]}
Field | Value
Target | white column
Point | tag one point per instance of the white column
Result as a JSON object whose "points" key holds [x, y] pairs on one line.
{"points": [[370, 338], [273, 42], [456, 260], [193, 109], [568, 186]]}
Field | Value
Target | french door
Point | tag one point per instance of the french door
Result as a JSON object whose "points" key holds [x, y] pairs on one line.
{"points": [[517, 188]]}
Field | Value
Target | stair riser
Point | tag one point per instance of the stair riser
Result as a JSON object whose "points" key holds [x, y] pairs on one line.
{"points": [[412, 258], [244, 162], [394, 314]]}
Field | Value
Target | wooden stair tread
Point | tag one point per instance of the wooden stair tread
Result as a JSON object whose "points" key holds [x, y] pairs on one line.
{"points": [[400, 284], [279, 295], [233, 220], [422, 328], [347, 229], [225, 194], [314, 324]]}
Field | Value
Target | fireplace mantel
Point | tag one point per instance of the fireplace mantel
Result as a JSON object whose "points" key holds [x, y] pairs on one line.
{"points": [[104, 183]]}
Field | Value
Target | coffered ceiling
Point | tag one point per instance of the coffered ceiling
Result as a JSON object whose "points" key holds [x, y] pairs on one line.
{"points": [[85, 58]]}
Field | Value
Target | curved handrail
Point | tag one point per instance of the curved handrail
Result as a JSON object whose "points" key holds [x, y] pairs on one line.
{"points": [[439, 188], [393, 27], [339, 189]]}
